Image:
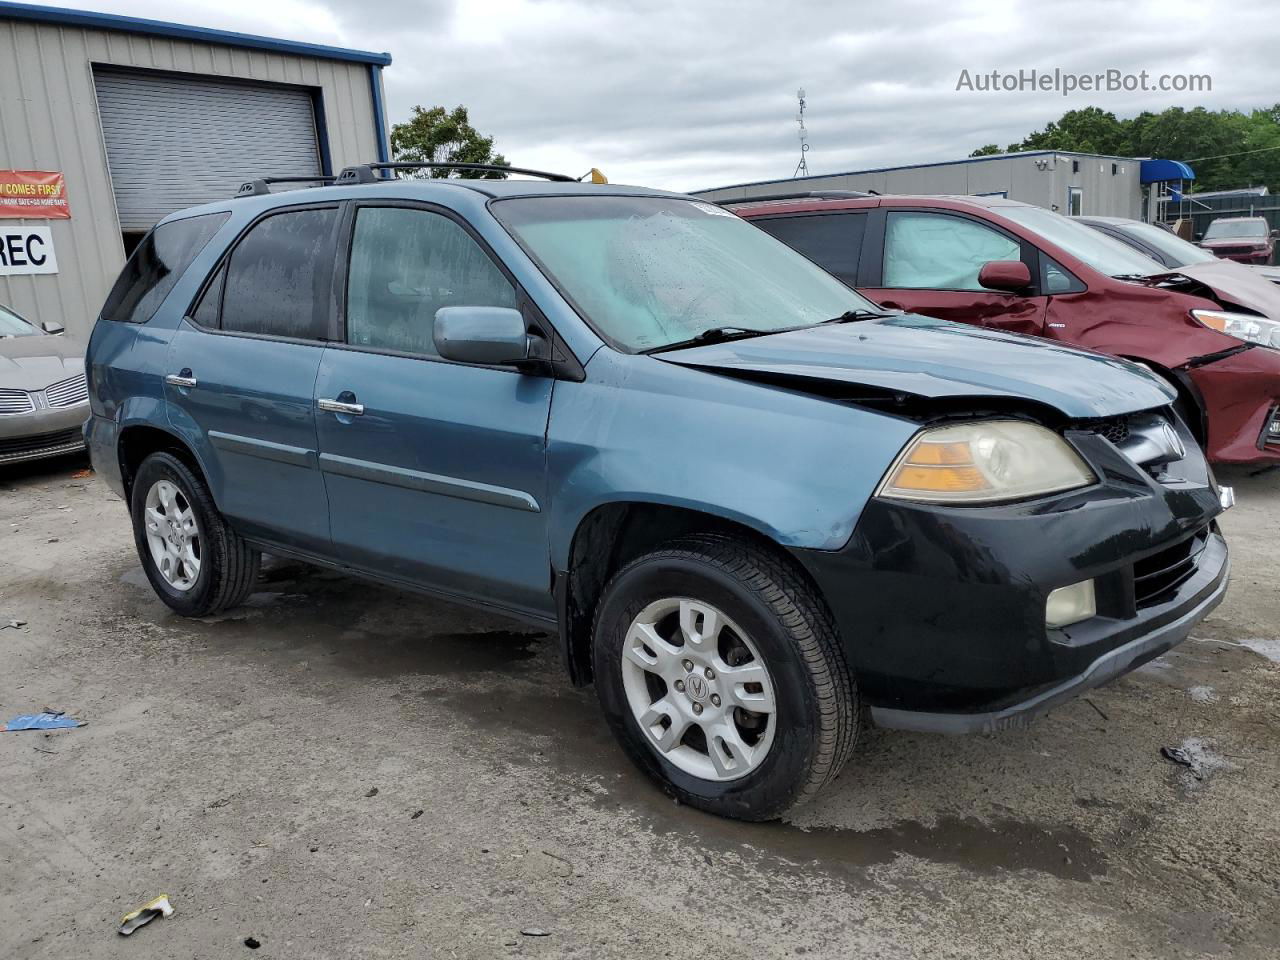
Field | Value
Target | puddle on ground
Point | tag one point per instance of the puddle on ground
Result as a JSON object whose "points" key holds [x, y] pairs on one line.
{"points": [[978, 845]]}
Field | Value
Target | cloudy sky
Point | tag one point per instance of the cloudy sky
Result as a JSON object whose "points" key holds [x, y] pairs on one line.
{"points": [[686, 94]]}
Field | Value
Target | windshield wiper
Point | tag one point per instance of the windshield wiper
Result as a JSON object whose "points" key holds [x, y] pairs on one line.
{"points": [[713, 335], [849, 316]]}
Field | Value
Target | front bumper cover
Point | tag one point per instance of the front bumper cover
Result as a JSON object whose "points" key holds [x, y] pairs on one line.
{"points": [[942, 609]]}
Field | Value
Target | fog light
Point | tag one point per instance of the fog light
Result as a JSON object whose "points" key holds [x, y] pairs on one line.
{"points": [[1068, 605]]}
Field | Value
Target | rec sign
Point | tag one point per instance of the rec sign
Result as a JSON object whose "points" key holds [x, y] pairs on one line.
{"points": [[26, 250], [34, 194]]}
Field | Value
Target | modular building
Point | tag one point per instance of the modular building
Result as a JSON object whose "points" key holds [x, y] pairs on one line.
{"points": [[109, 123], [1077, 184]]}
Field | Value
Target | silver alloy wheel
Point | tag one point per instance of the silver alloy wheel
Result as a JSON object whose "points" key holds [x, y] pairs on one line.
{"points": [[172, 535], [699, 689]]}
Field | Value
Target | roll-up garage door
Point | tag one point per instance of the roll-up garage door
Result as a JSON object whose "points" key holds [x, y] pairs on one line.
{"points": [[174, 141]]}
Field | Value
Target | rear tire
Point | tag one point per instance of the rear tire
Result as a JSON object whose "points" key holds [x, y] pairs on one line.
{"points": [[196, 563], [735, 612]]}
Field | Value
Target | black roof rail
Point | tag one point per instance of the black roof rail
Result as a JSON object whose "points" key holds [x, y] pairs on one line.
{"points": [[802, 195], [262, 185], [364, 172]]}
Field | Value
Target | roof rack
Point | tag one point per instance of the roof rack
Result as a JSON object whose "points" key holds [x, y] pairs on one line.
{"points": [[802, 195], [262, 185], [364, 172]]}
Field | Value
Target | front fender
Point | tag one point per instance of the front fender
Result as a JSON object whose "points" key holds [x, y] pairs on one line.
{"points": [[795, 467]]}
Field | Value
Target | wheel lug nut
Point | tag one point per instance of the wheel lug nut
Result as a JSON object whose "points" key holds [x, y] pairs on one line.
{"points": [[711, 674], [688, 665], [697, 708], [680, 685], [715, 699]]}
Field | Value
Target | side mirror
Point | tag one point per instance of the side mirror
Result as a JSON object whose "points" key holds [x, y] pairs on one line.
{"points": [[1008, 276], [486, 335], [52, 328], [1275, 234]]}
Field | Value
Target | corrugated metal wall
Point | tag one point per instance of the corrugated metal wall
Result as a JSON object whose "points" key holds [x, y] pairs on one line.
{"points": [[1042, 180], [49, 121]]}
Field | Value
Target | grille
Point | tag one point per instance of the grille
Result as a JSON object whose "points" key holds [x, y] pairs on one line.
{"points": [[18, 448], [1115, 429], [67, 393], [1156, 577], [15, 401], [1236, 251]]}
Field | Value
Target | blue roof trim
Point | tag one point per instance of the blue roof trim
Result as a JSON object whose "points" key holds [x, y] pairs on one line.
{"points": [[180, 31], [919, 166], [1161, 171]]}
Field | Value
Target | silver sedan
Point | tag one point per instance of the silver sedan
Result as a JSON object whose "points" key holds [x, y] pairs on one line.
{"points": [[44, 400]]}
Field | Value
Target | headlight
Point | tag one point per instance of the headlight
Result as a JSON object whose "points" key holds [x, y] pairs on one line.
{"points": [[1242, 326], [985, 462]]}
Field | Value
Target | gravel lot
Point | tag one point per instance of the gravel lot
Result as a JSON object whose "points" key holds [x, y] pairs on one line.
{"points": [[338, 770]]}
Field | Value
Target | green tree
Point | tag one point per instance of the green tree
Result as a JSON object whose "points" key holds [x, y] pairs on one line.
{"points": [[437, 135], [987, 150], [1226, 148]]}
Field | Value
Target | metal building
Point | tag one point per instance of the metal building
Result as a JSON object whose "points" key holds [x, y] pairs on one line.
{"points": [[109, 123], [1071, 183]]}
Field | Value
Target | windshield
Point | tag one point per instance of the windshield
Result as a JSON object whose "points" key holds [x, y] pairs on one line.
{"points": [[646, 272], [1105, 254], [1179, 251], [1230, 229], [12, 325]]}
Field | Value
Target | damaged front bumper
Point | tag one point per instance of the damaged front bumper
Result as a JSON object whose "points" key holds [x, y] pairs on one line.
{"points": [[1241, 393], [942, 610]]}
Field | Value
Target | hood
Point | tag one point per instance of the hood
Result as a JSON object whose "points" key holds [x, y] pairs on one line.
{"points": [[1270, 274], [938, 359], [1238, 285], [1217, 242], [33, 363]]}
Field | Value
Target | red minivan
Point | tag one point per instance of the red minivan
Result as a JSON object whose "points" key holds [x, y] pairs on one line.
{"points": [[998, 263]]}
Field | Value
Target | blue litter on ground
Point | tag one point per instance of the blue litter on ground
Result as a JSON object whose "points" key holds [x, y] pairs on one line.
{"points": [[40, 721]]}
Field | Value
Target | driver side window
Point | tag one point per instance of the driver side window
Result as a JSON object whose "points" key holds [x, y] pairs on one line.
{"points": [[405, 265], [930, 251]]}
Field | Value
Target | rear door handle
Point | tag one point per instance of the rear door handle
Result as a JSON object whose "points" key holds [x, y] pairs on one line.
{"points": [[338, 406], [183, 379]]}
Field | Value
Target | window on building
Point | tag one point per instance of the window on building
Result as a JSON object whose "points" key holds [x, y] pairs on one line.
{"points": [[833, 241], [156, 264], [277, 277], [1075, 202], [405, 265], [931, 251]]}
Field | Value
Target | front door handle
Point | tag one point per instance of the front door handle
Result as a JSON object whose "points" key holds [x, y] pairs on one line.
{"points": [[183, 379], [339, 406]]}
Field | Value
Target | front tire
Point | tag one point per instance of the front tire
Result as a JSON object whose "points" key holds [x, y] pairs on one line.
{"points": [[719, 670], [196, 563]]}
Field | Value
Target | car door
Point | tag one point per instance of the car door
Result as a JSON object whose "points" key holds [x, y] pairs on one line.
{"points": [[435, 470], [242, 371], [929, 264]]}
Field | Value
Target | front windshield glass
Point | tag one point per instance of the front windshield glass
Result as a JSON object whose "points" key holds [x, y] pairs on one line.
{"points": [[1105, 254], [12, 325], [1172, 246], [1231, 229], [646, 272]]}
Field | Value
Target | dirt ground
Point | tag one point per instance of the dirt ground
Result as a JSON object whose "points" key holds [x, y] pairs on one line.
{"points": [[338, 770]]}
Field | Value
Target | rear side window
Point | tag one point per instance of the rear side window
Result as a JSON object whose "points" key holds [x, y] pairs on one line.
{"points": [[930, 251], [405, 265], [277, 280], [161, 258], [833, 240]]}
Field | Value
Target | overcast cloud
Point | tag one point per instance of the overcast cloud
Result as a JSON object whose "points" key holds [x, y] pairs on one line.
{"points": [[689, 93]]}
